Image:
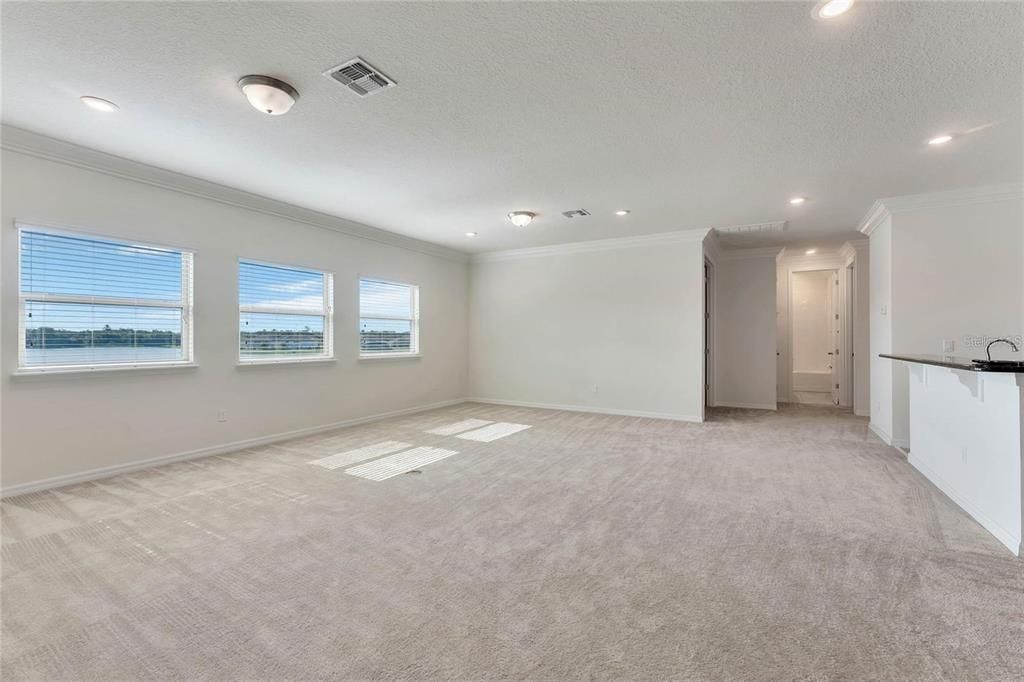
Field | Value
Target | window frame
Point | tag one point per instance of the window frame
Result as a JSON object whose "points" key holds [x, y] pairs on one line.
{"points": [[414, 293], [186, 305], [327, 313]]}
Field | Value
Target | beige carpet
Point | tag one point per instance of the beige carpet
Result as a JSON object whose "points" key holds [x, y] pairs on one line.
{"points": [[757, 546]]}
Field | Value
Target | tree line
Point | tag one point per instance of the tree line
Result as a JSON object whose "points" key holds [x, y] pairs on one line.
{"points": [[50, 337]]}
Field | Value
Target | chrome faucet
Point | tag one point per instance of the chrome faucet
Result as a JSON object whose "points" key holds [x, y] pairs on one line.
{"points": [[988, 348]]}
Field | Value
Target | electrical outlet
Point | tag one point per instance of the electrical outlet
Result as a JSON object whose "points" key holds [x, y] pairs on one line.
{"points": [[222, 415], [948, 346]]}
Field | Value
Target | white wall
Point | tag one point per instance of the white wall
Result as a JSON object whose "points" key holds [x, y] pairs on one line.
{"points": [[744, 319], [857, 256], [63, 424], [812, 329], [609, 326], [880, 255], [954, 272]]}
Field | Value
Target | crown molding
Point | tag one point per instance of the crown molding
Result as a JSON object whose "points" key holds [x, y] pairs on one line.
{"points": [[956, 197], [51, 149], [712, 247], [678, 237], [849, 249], [873, 218], [885, 208]]}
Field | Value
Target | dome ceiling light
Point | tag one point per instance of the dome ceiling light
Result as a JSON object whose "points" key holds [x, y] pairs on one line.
{"points": [[269, 95], [99, 104], [521, 218]]}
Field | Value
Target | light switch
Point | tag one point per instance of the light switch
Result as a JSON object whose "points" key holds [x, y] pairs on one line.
{"points": [[885, 310], [948, 346]]}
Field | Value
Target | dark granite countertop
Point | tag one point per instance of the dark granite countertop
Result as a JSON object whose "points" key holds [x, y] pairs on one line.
{"points": [[953, 362]]}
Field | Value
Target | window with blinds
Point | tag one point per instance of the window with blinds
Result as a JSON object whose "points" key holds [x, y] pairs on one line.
{"points": [[91, 302], [389, 318], [284, 313]]}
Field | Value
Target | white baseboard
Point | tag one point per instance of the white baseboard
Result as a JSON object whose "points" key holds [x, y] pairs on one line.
{"points": [[1012, 542], [862, 413], [107, 472], [747, 406], [587, 408], [878, 431]]}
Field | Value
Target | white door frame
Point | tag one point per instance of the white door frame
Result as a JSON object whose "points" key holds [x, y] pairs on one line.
{"points": [[808, 264], [709, 333]]}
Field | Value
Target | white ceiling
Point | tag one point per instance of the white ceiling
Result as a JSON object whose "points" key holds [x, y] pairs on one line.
{"points": [[689, 114]]}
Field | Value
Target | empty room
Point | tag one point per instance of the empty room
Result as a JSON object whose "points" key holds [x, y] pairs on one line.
{"points": [[519, 340]]}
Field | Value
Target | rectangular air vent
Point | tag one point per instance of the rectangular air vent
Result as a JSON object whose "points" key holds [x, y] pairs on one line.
{"points": [[753, 228], [360, 77], [578, 213]]}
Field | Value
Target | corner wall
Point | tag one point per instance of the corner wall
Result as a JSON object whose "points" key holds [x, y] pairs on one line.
{"points": [[881, 330], [744, 318], [954, 273], [609, 326]]}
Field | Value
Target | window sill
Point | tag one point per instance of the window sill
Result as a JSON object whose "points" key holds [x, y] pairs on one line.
{"points": [[283, 361], [390, 356], [26, 372]]}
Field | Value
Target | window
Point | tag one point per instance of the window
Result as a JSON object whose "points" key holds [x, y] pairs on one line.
{"points": [[284, 314], [389, 318], [90, 302]]}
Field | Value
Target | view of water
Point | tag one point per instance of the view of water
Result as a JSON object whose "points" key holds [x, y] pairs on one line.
{"points": [[102, 354]]}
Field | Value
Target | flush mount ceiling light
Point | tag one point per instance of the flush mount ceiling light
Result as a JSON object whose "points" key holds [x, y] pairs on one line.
{"points": [[622, 212], [941, 139], [811, 252], [99, 104], [833, 8], [269, 95], [796, 201], [521, 218], [471, 234]]}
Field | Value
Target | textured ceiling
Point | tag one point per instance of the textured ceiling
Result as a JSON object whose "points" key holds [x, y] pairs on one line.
{"points": [[689, 114]]}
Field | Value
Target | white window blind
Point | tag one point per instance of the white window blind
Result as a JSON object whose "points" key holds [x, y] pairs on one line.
{"points": [[284, 313], [95, 302], [388, 318]]}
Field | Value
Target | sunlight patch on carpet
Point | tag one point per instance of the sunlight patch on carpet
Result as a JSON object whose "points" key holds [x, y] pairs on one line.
{"points": [[344, 459], [493, 432], [459, 427], [386, 467]]}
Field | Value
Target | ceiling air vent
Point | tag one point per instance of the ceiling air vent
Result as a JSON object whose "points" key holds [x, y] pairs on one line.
{"points": [[578, 213], [753, 228], [360, 77]]}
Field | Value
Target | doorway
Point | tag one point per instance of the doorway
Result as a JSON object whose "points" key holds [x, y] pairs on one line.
{"points": [[815, 337]]}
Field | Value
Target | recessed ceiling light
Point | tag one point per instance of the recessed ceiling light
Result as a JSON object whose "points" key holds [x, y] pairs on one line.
{"points": [[521, 218], [941, 139], [796, 201], [621, 212], [106, 106], [811, 252], [269, 95], [833, 8], [471, 234]]}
